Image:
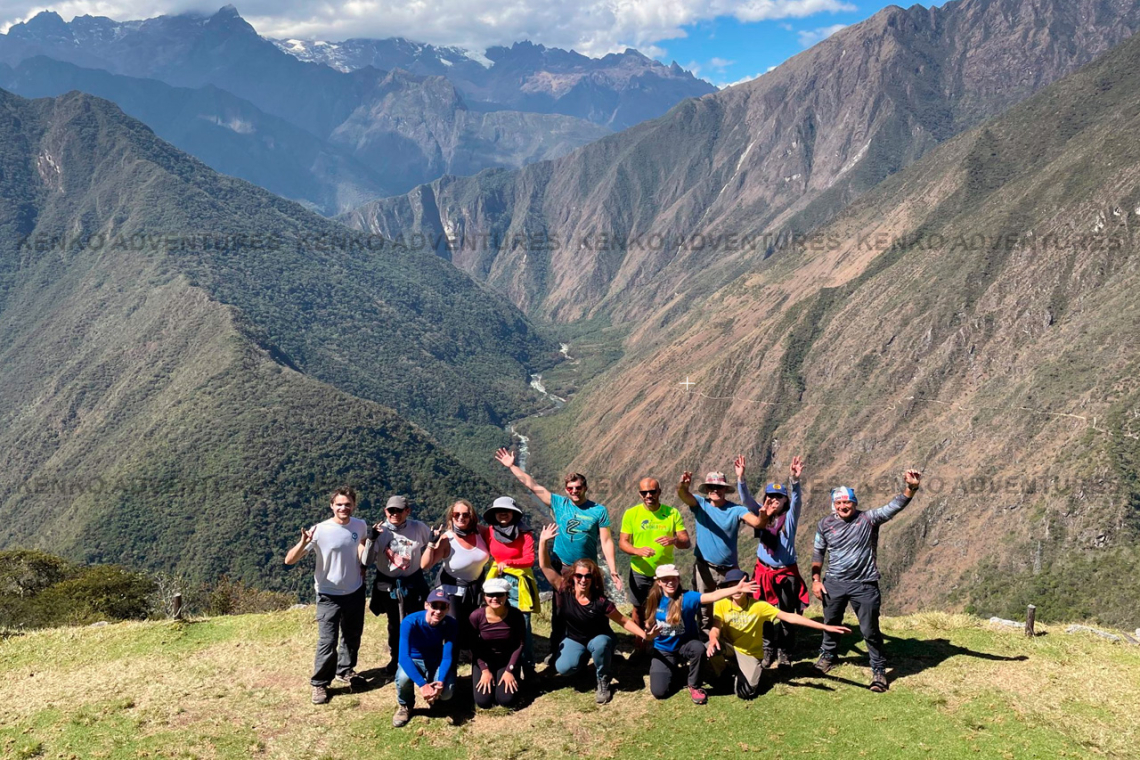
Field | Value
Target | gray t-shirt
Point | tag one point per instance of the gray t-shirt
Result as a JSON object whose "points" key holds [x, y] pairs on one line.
{"points": [[406, 542], [338, 570]]}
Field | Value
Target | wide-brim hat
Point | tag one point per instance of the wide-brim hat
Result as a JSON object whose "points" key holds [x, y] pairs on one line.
{"points": [[501, 503], [713, 479]]}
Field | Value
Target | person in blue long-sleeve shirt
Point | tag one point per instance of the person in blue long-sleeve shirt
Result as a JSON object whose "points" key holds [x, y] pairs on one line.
{"points": [[427, 642], [777, 573], [852, 539]]}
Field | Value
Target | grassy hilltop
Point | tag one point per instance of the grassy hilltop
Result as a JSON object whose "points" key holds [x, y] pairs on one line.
{"points": [[238, 687]]}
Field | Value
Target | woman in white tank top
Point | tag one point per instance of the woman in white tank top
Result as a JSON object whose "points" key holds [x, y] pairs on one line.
{"points": [[464, 554]]}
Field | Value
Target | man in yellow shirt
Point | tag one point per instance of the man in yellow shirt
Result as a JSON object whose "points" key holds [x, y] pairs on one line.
{"points": [[738, 634], [650, 532]]}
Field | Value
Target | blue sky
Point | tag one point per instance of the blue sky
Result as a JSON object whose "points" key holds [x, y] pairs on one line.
{"points": [[725, 50]]}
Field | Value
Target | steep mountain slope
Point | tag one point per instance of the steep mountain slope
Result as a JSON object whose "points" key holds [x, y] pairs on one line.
{"points": [[228, 134], [974, 315], [186, 357], [778, 155], [423, 122], [617, 90], [411, 130]]}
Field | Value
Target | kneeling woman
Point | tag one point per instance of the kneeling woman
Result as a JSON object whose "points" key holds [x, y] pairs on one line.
{"points": [[678, 645], [738, 633], [582, 602], [497, 647]]}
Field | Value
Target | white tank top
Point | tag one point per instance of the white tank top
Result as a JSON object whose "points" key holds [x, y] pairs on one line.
{"points": [[463, 563]]}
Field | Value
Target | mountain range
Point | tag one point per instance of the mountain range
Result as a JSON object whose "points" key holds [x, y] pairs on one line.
{"points": [[372, 132], [190, 363]]}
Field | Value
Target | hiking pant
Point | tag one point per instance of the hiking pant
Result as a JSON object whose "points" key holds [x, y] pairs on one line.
{"points": [[746, 672], [865, 600], [708, 578], [572, 655], [406, 688], [780, 635], [499, 695], [338, 616], [397, 598], [665, 668]]}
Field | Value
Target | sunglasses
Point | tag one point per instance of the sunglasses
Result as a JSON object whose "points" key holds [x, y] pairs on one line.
{"points": [[396, 511], [583, 576], [460, 515], [649, 493], [715, 488], [440, 606], [575, 488], [672, 579], [495, 596]]}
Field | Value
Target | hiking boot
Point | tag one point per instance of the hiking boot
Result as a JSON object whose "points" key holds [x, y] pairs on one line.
{"points": [[879, 681], [782, 659], [824, 664], [604, 693], [699, 696], [769, 658], [320, 695], [402, 716]]}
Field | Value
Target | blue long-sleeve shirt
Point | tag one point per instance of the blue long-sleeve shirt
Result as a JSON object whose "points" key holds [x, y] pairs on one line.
{"points": [[432, 644], [782, 552], [854, 545]]}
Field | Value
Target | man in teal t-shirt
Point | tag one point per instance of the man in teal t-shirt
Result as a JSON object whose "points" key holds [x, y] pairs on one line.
{"points": [[649, 533]]}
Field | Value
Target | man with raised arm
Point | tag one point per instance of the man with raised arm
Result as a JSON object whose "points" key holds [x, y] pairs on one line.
{"points": [[582, 523], [718, 528], [852, 538], [338, 545]]}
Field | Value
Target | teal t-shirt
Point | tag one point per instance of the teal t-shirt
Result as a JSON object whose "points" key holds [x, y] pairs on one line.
{"points": [[578, 528]]}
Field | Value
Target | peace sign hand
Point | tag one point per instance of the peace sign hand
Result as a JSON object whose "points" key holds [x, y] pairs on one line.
{"points": [[307, 535]]}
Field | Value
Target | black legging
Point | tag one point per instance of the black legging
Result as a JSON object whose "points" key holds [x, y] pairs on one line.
{"points": [[665, 667], [499, 695], [781, 635]]}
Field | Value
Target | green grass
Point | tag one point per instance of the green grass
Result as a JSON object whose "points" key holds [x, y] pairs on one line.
{"points": [[238, 687]]}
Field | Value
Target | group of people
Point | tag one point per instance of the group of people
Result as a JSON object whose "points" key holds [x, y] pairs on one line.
{"points": [[486, 590]]}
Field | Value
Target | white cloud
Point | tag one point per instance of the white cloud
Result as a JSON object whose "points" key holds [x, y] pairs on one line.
{"points": [[593, 27], [812, 36], [720, 63]]}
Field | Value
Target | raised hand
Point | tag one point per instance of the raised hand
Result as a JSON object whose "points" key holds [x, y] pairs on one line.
{"points": [[377, 529], [738, 465], [548, 532], [307, 535], [436, 532], [686, 478], [505, 457], [913, 479], [747, 587], [797, 468], [837, 629]]}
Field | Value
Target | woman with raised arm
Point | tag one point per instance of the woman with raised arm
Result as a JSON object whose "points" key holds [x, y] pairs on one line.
{"points": [[678, 645], [587, 612], [498, 647], [737, 635], [781, 584], [465, 556], [511, 544]]}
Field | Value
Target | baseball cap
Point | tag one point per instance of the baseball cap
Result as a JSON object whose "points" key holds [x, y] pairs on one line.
{"points": [[438, 595], [667, 571]]}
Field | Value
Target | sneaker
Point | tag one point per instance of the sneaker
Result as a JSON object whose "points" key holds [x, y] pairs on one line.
{"points": [[782, 659], [769, 658], [402, 716], [320, 695], [699, 696], [879, 681], [604, 693], [824, 664]]}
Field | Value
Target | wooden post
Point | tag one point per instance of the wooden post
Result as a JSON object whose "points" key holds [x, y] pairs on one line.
{"points": [[176, 607], [1030, 616]]}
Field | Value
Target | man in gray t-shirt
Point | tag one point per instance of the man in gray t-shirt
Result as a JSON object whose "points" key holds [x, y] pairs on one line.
{"points": [[337, 544], [851, 537]]}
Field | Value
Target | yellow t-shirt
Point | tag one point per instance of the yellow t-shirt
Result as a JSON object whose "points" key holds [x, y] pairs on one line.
{"points": [[646, 527], [743, 627]]}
